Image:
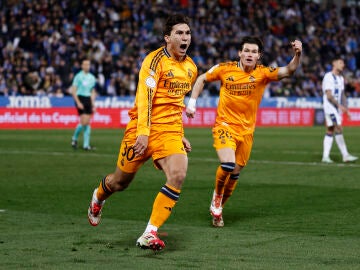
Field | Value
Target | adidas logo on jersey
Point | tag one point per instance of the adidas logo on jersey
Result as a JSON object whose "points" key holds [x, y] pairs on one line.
{"points": [[170, 74], [231, 79]]}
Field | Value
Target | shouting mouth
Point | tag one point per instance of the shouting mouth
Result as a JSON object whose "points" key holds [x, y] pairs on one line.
{"points": [[183, 47]]}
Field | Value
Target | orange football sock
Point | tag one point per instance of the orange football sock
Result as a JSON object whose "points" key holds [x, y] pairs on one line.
{"points": [[103, 191], [229, 189], [163, 205], [220, 180]]}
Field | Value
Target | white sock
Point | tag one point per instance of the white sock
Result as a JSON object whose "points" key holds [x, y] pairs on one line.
{"points": [[339, 138], [328, 141], [150, 228]]}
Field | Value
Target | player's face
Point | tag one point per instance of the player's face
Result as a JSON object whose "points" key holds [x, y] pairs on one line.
{"points": [[179, 41], [339, 65], [249, 55], [85, 66]]}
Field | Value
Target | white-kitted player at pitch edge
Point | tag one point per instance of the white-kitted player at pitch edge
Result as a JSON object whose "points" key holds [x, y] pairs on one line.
{"points": [[335, 105]]}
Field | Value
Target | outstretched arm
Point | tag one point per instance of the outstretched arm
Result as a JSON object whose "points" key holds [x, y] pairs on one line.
{"points": [[289, 70], [196, 91]]}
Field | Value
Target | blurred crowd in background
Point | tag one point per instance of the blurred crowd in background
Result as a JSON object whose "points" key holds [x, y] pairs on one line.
{"points": [[42, 42]]}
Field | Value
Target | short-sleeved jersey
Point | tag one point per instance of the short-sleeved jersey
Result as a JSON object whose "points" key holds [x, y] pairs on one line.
{"points": [[163, 84], [334, 83], [240, 94], [85, 83]]}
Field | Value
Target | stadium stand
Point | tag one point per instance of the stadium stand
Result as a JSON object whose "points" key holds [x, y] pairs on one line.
{"points": [[42, 42]]}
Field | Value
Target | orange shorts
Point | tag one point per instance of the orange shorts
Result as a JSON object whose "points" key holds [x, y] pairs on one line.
{"points": [[161, 144], [225, 137]]}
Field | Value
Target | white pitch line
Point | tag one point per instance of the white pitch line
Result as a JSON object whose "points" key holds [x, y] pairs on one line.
{"points": [[306, 163], [293, 163], [2, 210], [16, 152]]}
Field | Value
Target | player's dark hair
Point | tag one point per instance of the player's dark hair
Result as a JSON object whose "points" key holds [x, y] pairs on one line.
{"points": [[173, 20], [337, 57], [252, 40], [84, 59]]}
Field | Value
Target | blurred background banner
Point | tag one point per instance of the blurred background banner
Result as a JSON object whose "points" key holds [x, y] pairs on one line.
{"points": [[25, 112]]}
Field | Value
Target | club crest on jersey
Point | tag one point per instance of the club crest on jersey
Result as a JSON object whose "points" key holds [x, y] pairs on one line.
{"points": [[252, 78], [190, 73], [231, 79], [271, 69]]}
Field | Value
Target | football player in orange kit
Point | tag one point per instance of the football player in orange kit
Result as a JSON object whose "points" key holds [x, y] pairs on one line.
{"points": [[242, 87], [155, 129]]}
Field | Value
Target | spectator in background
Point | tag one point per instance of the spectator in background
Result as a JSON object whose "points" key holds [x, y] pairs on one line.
{"points": [[111, 87], [63, 32], [116, 47], [4, 91], [33, 84]]}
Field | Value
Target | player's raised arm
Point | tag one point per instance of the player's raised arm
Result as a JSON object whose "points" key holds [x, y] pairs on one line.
{"points": [[289, 70], [196, 91]]}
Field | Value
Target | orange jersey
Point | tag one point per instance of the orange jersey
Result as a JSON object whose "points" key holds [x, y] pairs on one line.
{"points": [[240, 94], [163, 84]]}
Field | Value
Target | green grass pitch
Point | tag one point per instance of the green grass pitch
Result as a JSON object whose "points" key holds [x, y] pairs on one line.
{"points": [[289, 211]]}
